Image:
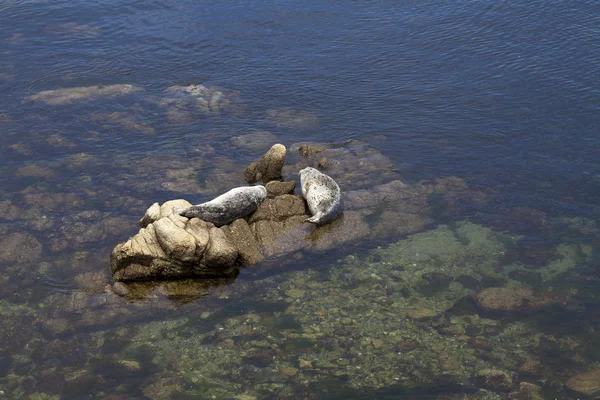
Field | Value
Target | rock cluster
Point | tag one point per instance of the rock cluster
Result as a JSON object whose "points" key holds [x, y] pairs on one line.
{"points": [[169, 246]]}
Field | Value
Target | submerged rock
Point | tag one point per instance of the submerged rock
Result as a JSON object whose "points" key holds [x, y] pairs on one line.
{"points": [[587, 383], [88, 93], [515, 299]]}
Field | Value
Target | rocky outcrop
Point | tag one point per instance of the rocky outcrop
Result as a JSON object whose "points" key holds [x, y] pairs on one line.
{"points": [[269, 167], [169, 246]]}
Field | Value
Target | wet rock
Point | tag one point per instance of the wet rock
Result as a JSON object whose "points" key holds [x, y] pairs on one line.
{"points": [[260, 357], [531, 367], [587, 383], [221, 252], [494, 379], [277, 188], [208, 99], [350, 227], [258, 141], [293, 119], [35, 171], [269, 167], [240, 234], [19, 247], [308, 150], [422, 314], [173, 238], [79, 94], [527, 391], [515, 299], [151, 215]]}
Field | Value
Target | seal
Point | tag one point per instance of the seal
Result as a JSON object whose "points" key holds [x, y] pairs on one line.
{"points": [[226, 208], [322, 195]]}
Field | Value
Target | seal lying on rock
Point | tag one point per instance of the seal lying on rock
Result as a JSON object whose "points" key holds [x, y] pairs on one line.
{"points": [[322, 195], [237, 203]]}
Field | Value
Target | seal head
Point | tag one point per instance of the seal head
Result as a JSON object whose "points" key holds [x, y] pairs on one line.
{"points": [[322, 195], [237, 203]]}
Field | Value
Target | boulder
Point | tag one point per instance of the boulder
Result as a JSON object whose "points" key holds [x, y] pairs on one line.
{"points": [[586, 384], [277, 188], [494, 379], [515, 299], [269, 167]]}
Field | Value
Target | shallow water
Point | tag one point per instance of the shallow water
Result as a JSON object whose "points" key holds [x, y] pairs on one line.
{"points": [[503, 95]]}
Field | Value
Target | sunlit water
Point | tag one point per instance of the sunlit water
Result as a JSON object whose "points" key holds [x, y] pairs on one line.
{"points": [[504, 95]]}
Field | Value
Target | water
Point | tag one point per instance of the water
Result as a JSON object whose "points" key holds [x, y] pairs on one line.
{"points": [[503, 95]]}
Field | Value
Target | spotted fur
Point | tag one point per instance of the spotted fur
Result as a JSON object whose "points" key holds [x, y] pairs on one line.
{"points": [[322, 195]]}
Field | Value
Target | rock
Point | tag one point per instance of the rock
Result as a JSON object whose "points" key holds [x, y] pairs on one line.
{"points": [[277, 188], [305, 363], [240, 234], [35, 171], [173, 238], [531, 367], [78, 94], [494, 379], [269, 167], [292, 119], [199, 229], [19, 248], [258, 141], [422, 314], [527, 391], [289, 371], [350, 227], [167, 207], [279, 209], [587, 383], [308, 150], [220, 253], [152, 214], [515, 299]]}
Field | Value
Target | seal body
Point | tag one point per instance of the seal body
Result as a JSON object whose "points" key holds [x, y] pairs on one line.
{"points": [[237, 203], [322, 195]]}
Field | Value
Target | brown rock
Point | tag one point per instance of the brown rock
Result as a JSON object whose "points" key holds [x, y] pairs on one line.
{"points": [[350, 227], [586, 384], [531, 367], [220, 253], [269, 167], [166, 208], [307, 150], [289, 371], [494, 379], [151, 215], [527, 391], [278, 188], [241, 236], [516, 299], [199, 229], [279, 209], [422, 314], [19, 247], [174, 240]]}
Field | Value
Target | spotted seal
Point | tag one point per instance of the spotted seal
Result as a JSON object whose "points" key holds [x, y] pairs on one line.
{"points": [[322, 195], [226, 208]]}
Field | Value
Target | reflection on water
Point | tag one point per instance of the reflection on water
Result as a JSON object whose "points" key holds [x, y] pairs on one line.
{"points": [[477, 280]]}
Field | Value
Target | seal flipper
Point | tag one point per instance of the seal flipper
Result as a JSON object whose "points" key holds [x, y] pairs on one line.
{"points": [[315, 219]]}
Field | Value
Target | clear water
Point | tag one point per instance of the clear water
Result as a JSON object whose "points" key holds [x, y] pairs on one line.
{"points": [[504, 95]]}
